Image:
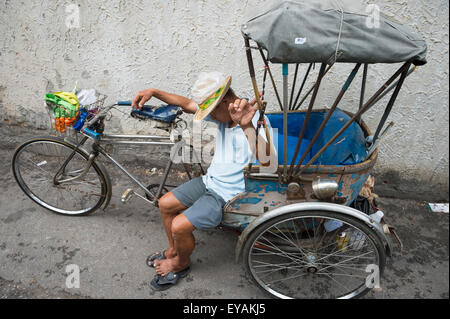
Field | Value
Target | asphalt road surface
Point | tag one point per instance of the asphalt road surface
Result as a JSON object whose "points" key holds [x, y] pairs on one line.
{"points": [[110, 248]]}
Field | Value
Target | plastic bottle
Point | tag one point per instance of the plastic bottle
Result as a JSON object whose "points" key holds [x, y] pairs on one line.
{"points": [[377, 216], [81, 119], [75, 89], [332, 224], [342, 240], [356, 240]]}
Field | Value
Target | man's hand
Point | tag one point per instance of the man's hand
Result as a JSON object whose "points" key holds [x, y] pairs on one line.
{"points": [[243, 111], [141, 98]]}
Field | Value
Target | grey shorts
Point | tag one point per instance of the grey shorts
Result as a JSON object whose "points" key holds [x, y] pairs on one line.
{"points": [[204, 206]]}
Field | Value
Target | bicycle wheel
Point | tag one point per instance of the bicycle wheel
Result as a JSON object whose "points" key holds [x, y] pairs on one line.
{"points": [[37, 161], [316, 255]]}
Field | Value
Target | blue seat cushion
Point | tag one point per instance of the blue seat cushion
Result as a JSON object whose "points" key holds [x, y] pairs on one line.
{"points": [[292, 143], [348, 149], [167, 113]]}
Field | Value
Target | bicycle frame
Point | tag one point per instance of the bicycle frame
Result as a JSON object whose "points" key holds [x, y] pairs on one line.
{"points": [[116, 139]]}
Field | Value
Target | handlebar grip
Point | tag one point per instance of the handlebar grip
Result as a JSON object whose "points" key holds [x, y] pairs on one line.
{"points": [[91, 133], [125, 103]]}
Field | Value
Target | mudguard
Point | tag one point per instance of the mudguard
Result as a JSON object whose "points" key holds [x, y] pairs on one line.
{"points": [[312, 206]]}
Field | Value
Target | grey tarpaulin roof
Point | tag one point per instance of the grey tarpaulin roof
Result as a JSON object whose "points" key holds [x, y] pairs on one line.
{"points": [[306, 31]]}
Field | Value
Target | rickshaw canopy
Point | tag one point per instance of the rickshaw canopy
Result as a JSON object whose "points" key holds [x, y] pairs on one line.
{"points": [[328, 31]]}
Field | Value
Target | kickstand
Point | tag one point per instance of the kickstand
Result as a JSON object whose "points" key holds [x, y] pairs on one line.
{"points": [[391, 230]]}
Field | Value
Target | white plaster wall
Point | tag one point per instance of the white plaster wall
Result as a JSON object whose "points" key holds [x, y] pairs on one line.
{"points": [[122, 47]]}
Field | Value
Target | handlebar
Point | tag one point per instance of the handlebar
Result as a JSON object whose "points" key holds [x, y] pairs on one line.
{"points": [[124, 103], [91, 133], [106, 109], [101, 114]]}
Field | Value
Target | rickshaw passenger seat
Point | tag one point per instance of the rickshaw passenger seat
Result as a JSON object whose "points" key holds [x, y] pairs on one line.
{"points": [[348, 149]]}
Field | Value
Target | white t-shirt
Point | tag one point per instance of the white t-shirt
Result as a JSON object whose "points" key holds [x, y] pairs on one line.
{"points": [[225, 175]]}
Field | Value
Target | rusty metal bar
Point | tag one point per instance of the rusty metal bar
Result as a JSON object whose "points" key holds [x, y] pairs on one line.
{"points": [[402, 70], [303, 84], [388, 109], [411, 70], [255, 87], [363, 89], [266, 64], [305, 123], [329, 113], [293, 86], [311, 90], [264, 83], [285, 115]]}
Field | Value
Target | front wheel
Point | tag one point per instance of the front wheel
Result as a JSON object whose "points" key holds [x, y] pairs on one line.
{"points": [[314, 255], [36, 164]]}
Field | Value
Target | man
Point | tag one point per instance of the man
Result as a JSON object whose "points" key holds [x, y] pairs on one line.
{"points": [[198, 204]]}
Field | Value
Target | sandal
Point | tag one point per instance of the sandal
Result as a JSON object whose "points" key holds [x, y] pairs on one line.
{"points": [[156, 256], [160, 283]]}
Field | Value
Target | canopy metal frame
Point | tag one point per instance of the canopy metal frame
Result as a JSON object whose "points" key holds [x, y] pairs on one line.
{"points": [[289, 104]]}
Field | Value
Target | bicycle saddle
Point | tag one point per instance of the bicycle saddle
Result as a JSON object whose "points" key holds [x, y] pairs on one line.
{"points": [[165, 113]]}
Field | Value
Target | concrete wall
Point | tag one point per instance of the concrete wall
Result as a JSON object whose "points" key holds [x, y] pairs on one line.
{"points": [[121, 47]]}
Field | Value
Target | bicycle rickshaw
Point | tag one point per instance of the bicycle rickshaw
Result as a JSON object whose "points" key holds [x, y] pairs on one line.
{"points": [[301, 233]]}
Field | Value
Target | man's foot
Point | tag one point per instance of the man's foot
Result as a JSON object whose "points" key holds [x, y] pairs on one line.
{"points": [[166, 254], [165, 266], [161, 283]]}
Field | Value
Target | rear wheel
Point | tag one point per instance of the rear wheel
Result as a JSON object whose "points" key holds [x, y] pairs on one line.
{"points": [[317, 255], [35, 165]]}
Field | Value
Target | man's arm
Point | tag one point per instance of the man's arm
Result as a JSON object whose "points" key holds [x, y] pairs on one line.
{"points": [[142, 97], [242, 113], [264, 154]]}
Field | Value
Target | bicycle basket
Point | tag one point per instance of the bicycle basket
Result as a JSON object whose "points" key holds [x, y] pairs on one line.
{"points": [[65, 111], [95, 107]]}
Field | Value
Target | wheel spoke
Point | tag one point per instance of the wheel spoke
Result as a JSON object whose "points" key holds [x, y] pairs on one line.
{"points": [[346, 289], [289, 263], [288, 278], [289, 241], [283, 253]]}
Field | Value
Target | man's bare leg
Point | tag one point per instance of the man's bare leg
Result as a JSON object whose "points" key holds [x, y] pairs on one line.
{"points": [[184, 243], [170, 208]]}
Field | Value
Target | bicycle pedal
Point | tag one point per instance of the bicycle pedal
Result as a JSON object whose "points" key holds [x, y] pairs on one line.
{"points": [[127, 195]]}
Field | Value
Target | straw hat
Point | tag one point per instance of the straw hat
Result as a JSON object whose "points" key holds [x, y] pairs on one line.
{"points": [[208, 91]]}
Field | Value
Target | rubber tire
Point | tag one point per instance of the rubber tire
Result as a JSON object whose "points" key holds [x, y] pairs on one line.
{"points": [[105, 189], [332, 215]]}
